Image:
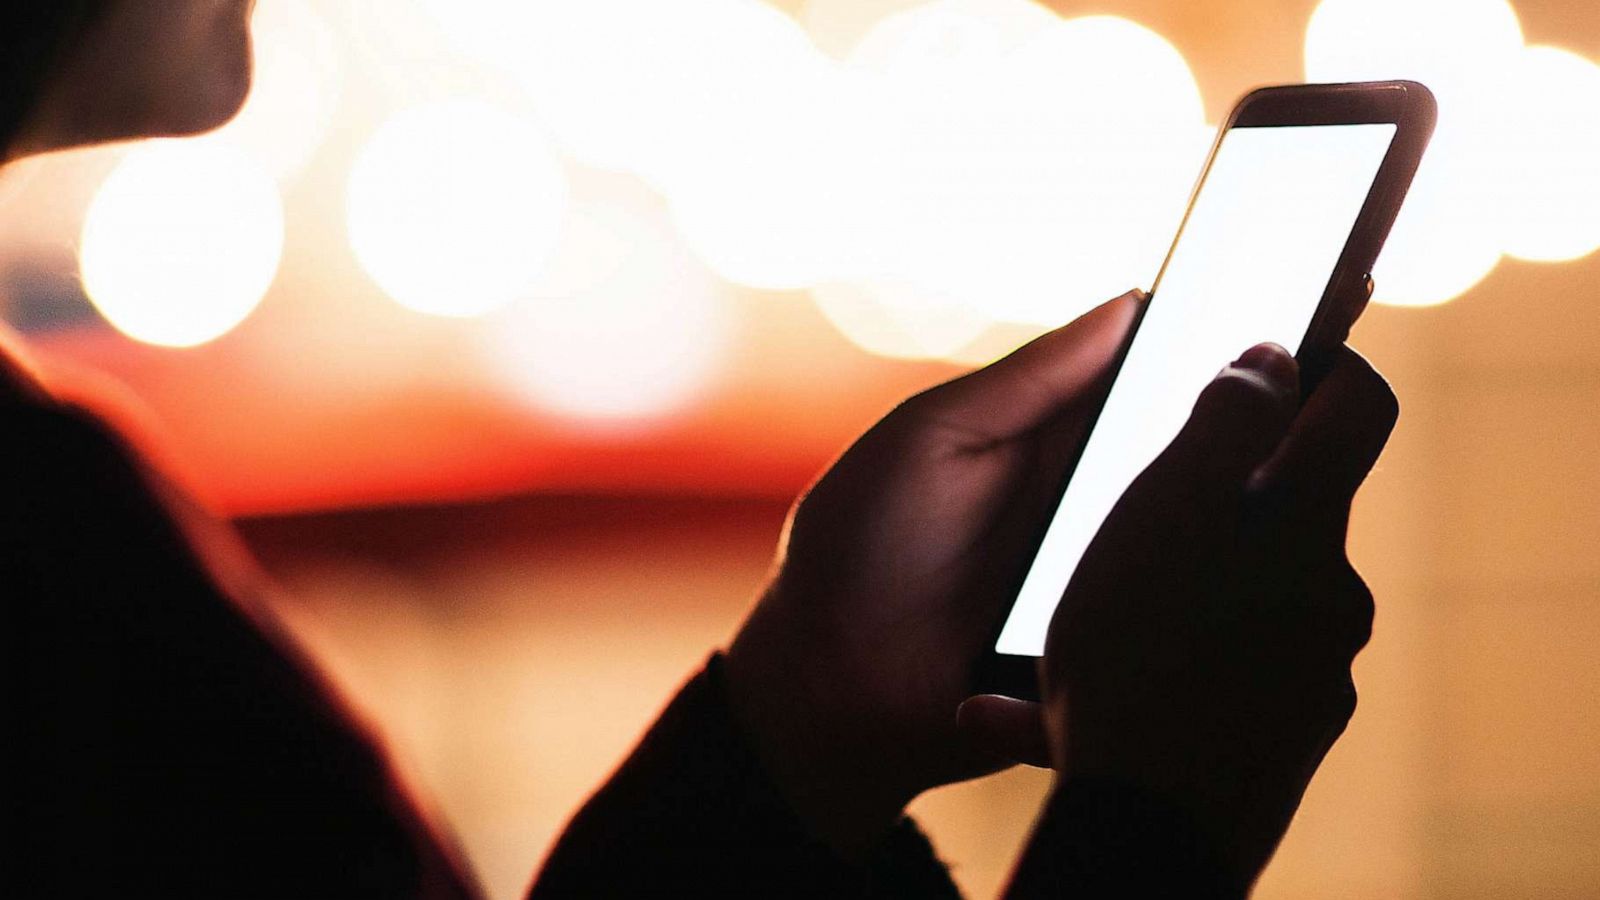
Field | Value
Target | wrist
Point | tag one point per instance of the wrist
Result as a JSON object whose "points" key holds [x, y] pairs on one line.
{"points": [[831, 783], [1218, 810], [1105, 837]]}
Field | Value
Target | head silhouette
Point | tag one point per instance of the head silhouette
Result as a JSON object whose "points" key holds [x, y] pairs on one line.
{"points": [[78, 72]]}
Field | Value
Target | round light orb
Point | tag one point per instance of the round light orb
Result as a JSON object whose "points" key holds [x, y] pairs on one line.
{"points": [[837, 26], [1444, 242], [1549, 178], [626, 329], [401, 50], [1120, 154], [1017, 188], [724, 106], [583, 65], [455, 208], [1448, 45], [1447, 238], [754, 138], [947, 40], [899, 321], [494, 31], [181, 242]]}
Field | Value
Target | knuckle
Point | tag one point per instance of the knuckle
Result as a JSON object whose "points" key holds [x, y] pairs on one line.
{"points": [[1347, 699], [1372, 387], [85, 425], [908, 408], [1358, 608], [1385, 403], [1239, 394]]}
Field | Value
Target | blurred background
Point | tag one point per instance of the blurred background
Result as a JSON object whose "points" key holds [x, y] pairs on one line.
{"points": [[508, 330]]}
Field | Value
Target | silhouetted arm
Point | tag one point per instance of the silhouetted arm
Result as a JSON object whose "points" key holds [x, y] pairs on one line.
{"points": [[164, 737], [690, 813], [1103, 839]]}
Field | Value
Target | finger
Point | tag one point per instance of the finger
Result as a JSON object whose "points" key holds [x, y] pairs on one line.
{"points": [[1342, 608], [1006, 728], [1237, 423], [1038, 381], [1331, 448]]}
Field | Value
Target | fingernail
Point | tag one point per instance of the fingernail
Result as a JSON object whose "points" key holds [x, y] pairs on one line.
{"points": [[1261, 355], [1272, 363]]}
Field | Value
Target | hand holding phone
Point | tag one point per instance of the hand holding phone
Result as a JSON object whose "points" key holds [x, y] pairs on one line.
{"points": [[892, 570], [1289, 215], [1200, 662]]}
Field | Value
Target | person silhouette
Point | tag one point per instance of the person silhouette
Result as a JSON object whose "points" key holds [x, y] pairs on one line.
{"points": [[171, 738]]}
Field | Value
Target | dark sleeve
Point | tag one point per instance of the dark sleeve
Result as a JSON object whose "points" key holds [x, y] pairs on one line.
{"points": [[165, 738], [691, 814], [1099, 839]]}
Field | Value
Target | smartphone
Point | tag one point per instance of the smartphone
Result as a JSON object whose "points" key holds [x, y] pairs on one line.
{"points": [[1295, 201]]}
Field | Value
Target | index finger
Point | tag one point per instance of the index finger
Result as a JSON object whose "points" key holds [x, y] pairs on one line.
{"points": [[1038, 381], [1334, 442]]}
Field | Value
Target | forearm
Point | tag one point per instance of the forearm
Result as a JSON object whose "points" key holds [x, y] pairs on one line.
{"points": [[691, 813], [1103, 839]]}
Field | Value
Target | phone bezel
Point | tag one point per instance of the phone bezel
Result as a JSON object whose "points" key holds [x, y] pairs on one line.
{"points": [[1411, 108]]}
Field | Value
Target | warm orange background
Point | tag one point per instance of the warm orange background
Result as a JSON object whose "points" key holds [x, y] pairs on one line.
{"points": [[514, 650]]}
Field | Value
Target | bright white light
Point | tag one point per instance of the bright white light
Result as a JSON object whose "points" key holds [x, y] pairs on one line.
{"points": [[295, 91], [1033, 186], [625, 83], [837, 26], [947, 40], [1550, 205], [1443, 244], [897, 321], [402, 54], [1446, 239], [626, 328], [969, 149], [581, 63], [1453, 46], [725, 106], [455, 208], [753, 136], [181, 242]]}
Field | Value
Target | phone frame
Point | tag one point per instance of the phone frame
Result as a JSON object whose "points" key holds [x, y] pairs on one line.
{"points": [[1411, 108]]}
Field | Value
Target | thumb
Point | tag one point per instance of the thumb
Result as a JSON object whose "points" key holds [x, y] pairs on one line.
{"points": [[1006, 728], [1238, 422], [1036, 382]]}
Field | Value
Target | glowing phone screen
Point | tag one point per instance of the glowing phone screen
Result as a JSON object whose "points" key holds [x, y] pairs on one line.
{"points": [[1251, 265]]}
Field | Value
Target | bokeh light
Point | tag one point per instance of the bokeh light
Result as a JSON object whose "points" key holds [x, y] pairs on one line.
{"points": [[1511, 169], [900, 321], [1444, 242], [1549, 207], [181, 242], [629, 327], [837, 26], [396, 43], [725, 106], [753, 140], [947, 40], [454, 208], [586, 66], [1017, 191], [929, 170], [1453, 46]]}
